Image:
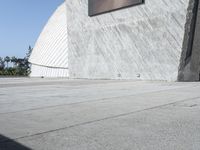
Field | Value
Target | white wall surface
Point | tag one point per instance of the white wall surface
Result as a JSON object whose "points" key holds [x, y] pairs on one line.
{"points": [[44, 71]]}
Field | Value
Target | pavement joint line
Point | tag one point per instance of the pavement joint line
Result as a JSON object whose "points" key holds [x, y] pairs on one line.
{"points": [[44, 83], [91, 101], [97, 120]]}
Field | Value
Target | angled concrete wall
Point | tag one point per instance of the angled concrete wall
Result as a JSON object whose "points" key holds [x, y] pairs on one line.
{"points": [[50, 54], [158, 40], [141, 42]]}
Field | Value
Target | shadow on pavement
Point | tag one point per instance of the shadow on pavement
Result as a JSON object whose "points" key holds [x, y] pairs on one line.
{"points": [[8, 144]]}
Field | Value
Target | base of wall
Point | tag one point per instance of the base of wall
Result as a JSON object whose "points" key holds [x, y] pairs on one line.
{"points": [[44, 71]]}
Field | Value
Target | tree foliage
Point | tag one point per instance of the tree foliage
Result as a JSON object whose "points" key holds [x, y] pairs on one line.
{"points": [[13, 66]]}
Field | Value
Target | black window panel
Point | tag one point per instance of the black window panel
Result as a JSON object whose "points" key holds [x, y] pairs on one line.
{"points": [[97, 7]]}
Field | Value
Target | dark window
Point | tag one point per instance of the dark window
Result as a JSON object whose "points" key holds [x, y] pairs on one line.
{"points": [[102, 6]]}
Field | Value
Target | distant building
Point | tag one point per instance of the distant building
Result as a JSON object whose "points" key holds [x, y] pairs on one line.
{"points": [[146, 40]]}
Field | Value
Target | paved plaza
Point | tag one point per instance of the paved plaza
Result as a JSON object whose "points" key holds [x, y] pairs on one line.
{"points": [[63, 114]]}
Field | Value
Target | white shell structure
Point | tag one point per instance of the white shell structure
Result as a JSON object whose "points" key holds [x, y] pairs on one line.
{"points": [[49, 57]]}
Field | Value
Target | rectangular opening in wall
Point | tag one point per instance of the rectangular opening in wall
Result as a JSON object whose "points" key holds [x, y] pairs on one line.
{"points": [[97, 7]]}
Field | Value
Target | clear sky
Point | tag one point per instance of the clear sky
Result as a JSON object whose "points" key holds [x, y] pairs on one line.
{"points": [[21, 22]]}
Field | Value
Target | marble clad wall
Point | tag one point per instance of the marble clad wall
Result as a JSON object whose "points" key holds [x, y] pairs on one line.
{"points": [[140, 42]]}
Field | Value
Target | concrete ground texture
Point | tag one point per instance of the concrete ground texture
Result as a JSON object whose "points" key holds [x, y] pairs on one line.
{"points": [[63, 114]]}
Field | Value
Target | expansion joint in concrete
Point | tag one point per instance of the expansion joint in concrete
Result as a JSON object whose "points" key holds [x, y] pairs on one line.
{"points": [[99, 120]]}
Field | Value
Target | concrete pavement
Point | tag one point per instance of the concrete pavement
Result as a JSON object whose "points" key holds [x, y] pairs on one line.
{"points": [[67, 114]]}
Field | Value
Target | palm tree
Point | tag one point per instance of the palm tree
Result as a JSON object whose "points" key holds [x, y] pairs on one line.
{"points": [[7, 60], [28, 54]]}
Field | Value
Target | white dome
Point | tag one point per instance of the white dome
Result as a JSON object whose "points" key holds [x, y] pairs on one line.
{"points": [[51, 52]]}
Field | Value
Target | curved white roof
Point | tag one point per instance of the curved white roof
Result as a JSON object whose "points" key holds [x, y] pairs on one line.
{"points": [[51, 47]]}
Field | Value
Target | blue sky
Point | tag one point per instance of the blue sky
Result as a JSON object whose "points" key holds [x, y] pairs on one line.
{"points": [[21, 22]]}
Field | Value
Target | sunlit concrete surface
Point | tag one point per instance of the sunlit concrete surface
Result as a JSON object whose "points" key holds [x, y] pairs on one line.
{"points": [[62, 114]]}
